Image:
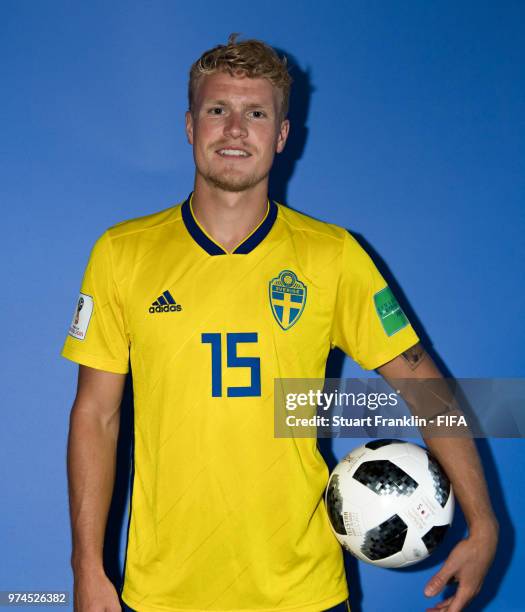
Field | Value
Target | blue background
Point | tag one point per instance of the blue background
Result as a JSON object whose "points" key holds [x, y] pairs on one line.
{"points": [[407, 128]]}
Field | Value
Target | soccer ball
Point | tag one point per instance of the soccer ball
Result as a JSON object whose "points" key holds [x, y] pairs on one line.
{"points": [[389, 503]]}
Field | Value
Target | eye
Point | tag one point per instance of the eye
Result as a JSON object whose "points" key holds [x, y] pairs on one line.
{"points": [[258, 114], [216, 110]]}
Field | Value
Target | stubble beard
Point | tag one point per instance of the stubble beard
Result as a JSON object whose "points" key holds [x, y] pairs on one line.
{"points": [[235, 184]]}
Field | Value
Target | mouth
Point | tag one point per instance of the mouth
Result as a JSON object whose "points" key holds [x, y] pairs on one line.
{"points": [[233, 153]]}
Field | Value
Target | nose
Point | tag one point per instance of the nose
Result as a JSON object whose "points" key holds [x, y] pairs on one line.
{"points": [[235, 125]]}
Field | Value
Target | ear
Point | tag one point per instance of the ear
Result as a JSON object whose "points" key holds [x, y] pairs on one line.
{"points": [[283, 135], [189, 126]]}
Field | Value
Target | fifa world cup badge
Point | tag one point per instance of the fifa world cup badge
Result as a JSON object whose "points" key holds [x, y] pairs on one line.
{"points": [[82, 317], [80, 303]]}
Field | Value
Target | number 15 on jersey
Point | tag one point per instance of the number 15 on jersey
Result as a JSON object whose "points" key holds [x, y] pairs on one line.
{"points": [[216, 341]]}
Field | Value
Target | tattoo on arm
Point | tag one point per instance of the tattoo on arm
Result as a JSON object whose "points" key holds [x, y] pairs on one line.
{"points": [[414, 355]]}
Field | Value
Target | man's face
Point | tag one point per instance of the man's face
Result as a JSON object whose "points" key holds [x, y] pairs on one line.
{"points": [[235, 130]]}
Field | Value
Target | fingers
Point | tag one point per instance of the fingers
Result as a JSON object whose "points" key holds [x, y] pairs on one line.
{"points": [[461, 598], [441, 606], [445, 603], [465, 565], [456, 603], [438, 582]]}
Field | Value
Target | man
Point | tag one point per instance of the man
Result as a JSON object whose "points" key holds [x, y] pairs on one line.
{"points": [[211, 300]]}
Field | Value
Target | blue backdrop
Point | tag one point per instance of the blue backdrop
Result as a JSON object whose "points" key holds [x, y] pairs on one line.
{"points": [[407, 128]]}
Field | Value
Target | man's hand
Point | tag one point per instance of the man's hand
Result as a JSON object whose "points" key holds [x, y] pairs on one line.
{"points": [[94, 592], [467, 565]]}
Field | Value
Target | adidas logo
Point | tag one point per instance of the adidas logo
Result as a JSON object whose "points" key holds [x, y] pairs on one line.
{"points": [[165, 303]]}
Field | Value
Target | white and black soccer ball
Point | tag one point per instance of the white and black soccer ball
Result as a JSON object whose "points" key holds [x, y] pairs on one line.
{"points": [[389, 503]]}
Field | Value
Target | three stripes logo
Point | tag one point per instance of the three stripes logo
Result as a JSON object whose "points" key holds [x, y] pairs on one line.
{"points": [[165, 303]]}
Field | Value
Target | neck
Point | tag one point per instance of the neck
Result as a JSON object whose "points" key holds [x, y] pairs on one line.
{"points": [[229, 217]]}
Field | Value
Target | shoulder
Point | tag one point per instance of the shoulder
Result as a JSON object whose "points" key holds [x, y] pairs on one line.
{"points": [[301, 223], [138, 226], [328, 236], [330, 242]]}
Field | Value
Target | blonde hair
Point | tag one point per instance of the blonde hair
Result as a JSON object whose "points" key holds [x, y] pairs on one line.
{"points": [[252, 58]]}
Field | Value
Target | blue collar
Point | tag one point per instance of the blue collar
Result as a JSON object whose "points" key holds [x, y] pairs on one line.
{"points": [[211, 247]]}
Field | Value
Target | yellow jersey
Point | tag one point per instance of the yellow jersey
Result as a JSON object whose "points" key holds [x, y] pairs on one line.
{"points": [[223, 514]]}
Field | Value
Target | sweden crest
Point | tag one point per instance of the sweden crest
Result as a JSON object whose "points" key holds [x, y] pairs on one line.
{"points": [[287, 298]]}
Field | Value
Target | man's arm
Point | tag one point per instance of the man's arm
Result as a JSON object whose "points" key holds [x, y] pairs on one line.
{"points": [[469, 561], [93, 433]]}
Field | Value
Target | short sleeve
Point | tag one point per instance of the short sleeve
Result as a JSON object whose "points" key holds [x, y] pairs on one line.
{"points": [[97, 336], [369, 324]]}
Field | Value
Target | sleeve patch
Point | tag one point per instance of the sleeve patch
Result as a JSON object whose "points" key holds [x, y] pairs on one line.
{"points": [[82, 316], [389, 312]]}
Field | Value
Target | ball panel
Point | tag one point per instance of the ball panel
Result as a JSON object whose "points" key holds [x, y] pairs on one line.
{"points": [[334, 504], [440, 481], [385, 540], [375, 444], [385, 478], [434, 536]]}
